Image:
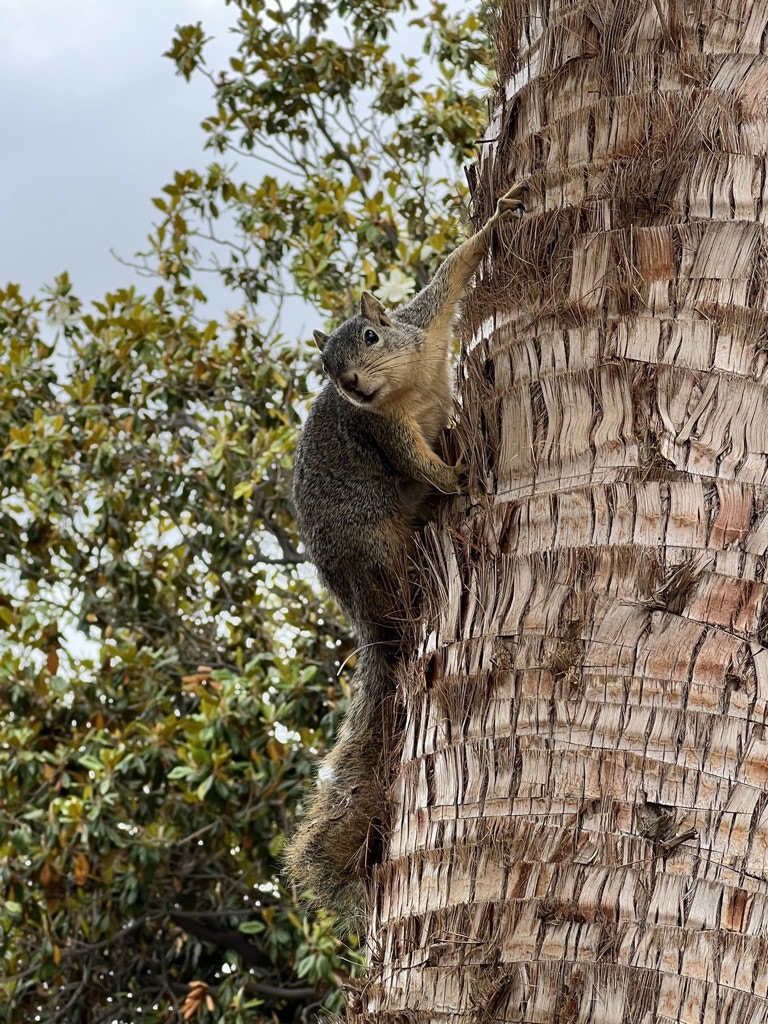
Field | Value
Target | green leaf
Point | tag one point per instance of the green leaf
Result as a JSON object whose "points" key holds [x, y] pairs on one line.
{"points": [[160, 625], [251, 927]]}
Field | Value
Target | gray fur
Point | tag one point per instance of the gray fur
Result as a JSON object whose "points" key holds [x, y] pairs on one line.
{"points": [[365, 473]]}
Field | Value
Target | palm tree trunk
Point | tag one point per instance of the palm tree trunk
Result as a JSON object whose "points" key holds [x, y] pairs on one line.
{"points": [[580, 810]]}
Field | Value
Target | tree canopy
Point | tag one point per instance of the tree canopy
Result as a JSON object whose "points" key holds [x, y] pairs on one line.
{"points": [[169, 671]]}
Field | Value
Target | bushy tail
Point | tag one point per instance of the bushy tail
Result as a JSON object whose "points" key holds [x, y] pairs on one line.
{"points": [[332, 847]]}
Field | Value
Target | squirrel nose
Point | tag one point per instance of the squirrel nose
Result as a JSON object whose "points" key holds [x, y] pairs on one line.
{"points": [[349, 381]]}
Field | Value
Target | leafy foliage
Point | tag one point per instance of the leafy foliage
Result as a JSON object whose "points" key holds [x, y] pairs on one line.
{"points": [[363, 151], [168, 672]]}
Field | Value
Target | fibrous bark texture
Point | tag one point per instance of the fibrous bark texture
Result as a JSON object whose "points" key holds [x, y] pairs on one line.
{"points": [[580, 810]]}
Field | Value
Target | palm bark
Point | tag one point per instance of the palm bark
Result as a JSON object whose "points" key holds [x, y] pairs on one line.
{"points": [[580, 810]]}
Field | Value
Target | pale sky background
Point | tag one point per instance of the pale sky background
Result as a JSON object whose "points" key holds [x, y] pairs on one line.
{"points": [[93, 122]]}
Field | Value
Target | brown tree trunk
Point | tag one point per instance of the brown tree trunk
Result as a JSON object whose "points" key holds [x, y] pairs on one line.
{"points": [[580, 811]]}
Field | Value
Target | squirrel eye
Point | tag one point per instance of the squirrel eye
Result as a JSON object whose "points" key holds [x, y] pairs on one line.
{"points": [[370, 337]]}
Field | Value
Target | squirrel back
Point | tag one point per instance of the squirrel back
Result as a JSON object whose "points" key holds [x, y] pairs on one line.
{"points": [[358, 535]]}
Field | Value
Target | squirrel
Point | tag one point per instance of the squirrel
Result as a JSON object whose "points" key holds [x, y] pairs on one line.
{"points": [[365, 473]]}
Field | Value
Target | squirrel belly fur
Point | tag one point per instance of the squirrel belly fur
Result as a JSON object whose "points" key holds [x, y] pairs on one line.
{"points": [[365, 473]]}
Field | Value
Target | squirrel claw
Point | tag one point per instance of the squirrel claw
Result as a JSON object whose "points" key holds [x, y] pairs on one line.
{"points": [[462, 476]]}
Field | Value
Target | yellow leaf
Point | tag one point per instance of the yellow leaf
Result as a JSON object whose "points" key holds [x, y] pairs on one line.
{"points": [[275, 750], [193, 1004], [81, 869], [243, 490], [195, 678], [49, 876], [52, 661]]}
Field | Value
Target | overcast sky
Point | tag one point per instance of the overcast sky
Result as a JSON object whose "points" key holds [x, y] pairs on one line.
{"points": [[93, 123]]}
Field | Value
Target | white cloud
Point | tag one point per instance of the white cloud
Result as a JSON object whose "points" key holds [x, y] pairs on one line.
{"points": [[36, 32]]}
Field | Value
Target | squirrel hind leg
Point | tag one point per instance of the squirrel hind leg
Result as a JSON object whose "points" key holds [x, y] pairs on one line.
{"points": [[512, 201]]}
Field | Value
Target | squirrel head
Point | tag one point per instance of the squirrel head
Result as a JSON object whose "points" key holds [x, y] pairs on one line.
{"points": [[367, 357]]}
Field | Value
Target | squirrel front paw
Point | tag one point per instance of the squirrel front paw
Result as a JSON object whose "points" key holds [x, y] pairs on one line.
{"points": [[452, 479], [444, 478]]}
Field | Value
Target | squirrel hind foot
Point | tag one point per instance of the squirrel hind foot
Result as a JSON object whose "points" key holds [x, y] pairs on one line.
{"points": [[512, 200]]}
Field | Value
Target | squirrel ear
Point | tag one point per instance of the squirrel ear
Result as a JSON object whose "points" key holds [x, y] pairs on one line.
{"points": [[372, 309], [320, 339]]}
